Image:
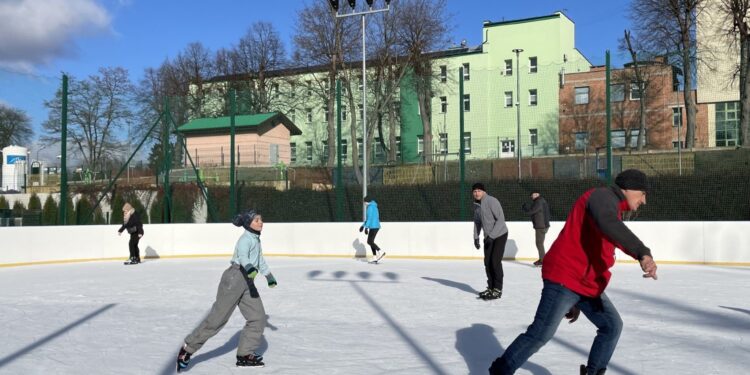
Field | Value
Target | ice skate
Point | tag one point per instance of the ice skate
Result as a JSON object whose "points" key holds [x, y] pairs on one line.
{"points": [[183, 359], [494, 293], [250, 360]]}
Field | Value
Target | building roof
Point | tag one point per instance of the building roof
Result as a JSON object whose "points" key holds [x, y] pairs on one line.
{"points": [[242, 122], [522, 20]]}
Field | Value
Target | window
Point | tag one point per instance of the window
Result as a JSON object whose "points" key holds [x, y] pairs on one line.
{"points": [[344, 144], [508, 99], [292, 89], [617, 92], [361, 113], [293, 151], [618, 138], [532, 64], [343, 113], [443, 73], [634, 138], [532, 97], [582, 140], [309, 116], [293, 115], [676, 116], [727, 124], [582, 95], [533, 137], [308, 151], [275, 87], [377, 148], [325, 150], [443, 104], [327, 114], [361, 83], [359, 149], [467, 103], [508, 67], [398, 146], [635, 91], [443, 143], [467, 142], [466, 72], [309, 88], [420, 145], [680, 143]]}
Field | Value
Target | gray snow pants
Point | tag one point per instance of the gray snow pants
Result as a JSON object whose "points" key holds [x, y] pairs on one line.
{"points": [[233, 291]]}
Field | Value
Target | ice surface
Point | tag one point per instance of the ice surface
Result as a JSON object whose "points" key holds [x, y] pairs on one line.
{"points": [[344, 316]]}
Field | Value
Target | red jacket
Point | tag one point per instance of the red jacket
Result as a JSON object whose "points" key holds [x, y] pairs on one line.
{"points": [[582, 254]]}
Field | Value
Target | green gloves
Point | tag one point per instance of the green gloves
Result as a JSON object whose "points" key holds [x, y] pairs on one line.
{"points": [[252, 272], [271, 280]]}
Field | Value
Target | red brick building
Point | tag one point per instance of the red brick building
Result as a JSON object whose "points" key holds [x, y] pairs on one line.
{"points": [[583, 110]]}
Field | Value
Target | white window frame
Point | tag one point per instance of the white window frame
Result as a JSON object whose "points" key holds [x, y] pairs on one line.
{"points": [[533, 137], [344, 145], [508, 67], [443, 73], [583, 142], [467, 74], [508, 99], [467, 102], [635, 89], [578, 95], [293, 151], [308, 151], [443, 104], [533, 97], [467, 142], [443, 144], [309, 115], [533, 64], [420, 145], [676, 117]]}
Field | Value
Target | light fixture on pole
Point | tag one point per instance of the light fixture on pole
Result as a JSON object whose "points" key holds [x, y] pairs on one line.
{"points": [[518, 110], [352, 4]]}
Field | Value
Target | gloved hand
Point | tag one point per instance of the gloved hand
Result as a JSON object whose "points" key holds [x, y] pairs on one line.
{"points": [[367, 231], [271, 280], [476, 243], [252, 272], [361, 228]]}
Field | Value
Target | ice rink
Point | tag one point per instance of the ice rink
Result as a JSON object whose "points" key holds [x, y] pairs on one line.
{"points": [[344, 316]]}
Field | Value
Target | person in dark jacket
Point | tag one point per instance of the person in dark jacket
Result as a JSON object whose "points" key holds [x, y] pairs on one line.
{"points": [[490, 219], [539, 212], [132, 223], [576, 272]]}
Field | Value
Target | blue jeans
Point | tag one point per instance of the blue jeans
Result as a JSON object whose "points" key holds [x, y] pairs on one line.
{"points": [[556, 301]]}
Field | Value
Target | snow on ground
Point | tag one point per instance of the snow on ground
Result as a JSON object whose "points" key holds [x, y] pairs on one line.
{"points": [[344, 316]]}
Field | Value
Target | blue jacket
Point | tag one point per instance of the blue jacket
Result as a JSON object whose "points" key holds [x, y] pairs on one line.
{"points": [[248, 253], [372, 216]]}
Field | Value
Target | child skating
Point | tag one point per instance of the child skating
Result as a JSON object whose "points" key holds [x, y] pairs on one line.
{"points": [[371, 227], [237, 288]]}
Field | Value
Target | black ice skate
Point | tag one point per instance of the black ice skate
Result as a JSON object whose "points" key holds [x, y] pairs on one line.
{"points": [[494, 293], [183, 359], [584, 370], [485, 293], [250, 360]]}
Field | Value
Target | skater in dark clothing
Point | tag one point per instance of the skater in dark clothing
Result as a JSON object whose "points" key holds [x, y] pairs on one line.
{"points": [[576, 272], [490, 219], [237, 288], [539, 212], [371, 227], [132, 223]]}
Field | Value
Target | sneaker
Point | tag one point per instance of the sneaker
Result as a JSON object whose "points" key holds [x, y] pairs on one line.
{"points": [[538, 263], [250, 360], [493, 294], [183, 358]]}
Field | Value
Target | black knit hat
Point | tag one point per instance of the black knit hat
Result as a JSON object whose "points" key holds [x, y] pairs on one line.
{"points": [[368, 198], [478, 186], [244, 218], [632, 179]]}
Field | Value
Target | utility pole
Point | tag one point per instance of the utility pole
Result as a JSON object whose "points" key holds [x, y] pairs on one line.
{"points": [[518, 110]]}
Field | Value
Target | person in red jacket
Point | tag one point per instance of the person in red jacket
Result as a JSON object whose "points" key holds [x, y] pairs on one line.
{"points": [[576, 272]]}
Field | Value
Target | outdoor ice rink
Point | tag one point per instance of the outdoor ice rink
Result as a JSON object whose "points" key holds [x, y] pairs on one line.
{"points": [[344, 316]]}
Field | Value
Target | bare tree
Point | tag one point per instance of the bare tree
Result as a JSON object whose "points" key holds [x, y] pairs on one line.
{"points": [[668, 27], [737, 30], [416, 39], [98, 107], [187, 76], [640, 75], [15, 126]]}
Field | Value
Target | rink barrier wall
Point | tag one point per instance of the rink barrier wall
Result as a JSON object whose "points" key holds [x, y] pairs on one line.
{"points": [[710, 243]]}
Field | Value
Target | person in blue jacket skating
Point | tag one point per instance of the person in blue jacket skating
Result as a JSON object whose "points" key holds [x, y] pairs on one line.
{"points": [[371, 226]]}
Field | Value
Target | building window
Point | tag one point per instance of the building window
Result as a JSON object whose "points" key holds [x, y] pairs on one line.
{"points": [[532, 97], [344, 144], [533, 137], [443, 104], [508, 99], [467, 103], [617, 92], [466, 72], [309, 116], [308, 151], [618, 138], [443, 143], [443, 73], [635, 91], [467, 142], [293, 115], [582, 95], [343, 113], [582, 140], [676, 116], [309, 88], [361, 113], [326, 113], [420, 145], [634, 138], [508, 67], [377, 148], [727, 124], [293, 151], [398, 146], [325, 151], [292, 90], [359, 149], [532, 64], [361, 83], [680, 143]]}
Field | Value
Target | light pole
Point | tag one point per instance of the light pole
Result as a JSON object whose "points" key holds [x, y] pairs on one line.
{"points": [[518, 110], [353, 4]]}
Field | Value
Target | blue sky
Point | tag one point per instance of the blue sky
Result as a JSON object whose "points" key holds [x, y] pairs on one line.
{"points": [[48, 37]]}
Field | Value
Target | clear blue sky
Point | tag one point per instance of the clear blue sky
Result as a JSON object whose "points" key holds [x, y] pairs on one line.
{"points": [[80, 36]]}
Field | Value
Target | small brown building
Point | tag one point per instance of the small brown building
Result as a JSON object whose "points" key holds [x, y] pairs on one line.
{"points": [[260, 140], [583, 110]]}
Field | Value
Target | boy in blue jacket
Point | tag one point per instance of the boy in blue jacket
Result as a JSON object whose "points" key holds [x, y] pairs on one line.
{"points": [[371, 226]]}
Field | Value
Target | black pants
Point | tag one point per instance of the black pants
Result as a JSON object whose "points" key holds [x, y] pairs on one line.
{"points": [[135, 253], [371, 240], [493, 260]]}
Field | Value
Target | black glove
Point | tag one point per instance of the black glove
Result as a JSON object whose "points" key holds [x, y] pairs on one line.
{"points": [[271, 280], [367, 231], [361, 228], [476, 243], [525, 207]]}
